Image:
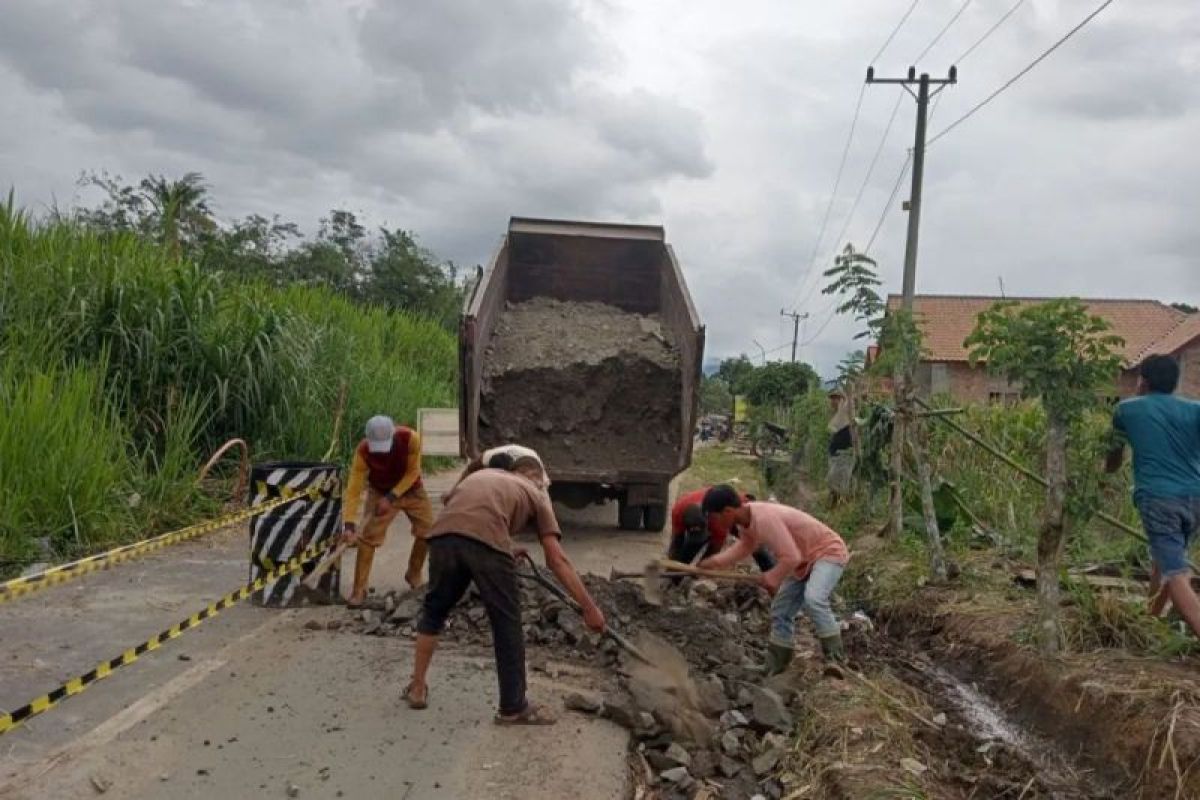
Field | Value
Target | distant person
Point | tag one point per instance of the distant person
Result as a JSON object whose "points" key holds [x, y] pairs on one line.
{"points": [[1164, 432], [840, 474], [388, 463], [809, 559], [693, 534], [472, 542]]}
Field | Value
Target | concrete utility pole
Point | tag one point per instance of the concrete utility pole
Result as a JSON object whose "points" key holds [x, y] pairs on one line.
{"points": [[922, 96], [796, 317], [903, 377]]}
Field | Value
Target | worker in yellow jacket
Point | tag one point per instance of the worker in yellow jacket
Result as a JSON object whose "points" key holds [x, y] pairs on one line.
{"points": [[388, 463]]}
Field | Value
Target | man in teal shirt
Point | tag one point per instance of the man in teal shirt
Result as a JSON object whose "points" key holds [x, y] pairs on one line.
{"points": [[1164, 433]]}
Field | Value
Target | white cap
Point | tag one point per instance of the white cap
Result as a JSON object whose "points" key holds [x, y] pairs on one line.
{"points": [[380, 430]]}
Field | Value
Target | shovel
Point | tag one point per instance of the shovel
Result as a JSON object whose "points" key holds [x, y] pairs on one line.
{"points": [[557, 591], [655, 571]]}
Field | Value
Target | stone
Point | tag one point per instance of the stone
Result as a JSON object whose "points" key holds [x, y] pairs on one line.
{"points": [[476, 614], [704, 764], [333, 625], [101, 784], [765, 763], [680, 756], [729, 767], [293, 790], [314, 625], [712, 696], [658, 761], [572, 627], [389, 603], [731, 743], [939, 718], [621, 711], [704, 588], [913, 766], [734, 719], [587, 704], [769, 711], [407, 608], [744, 698], [368, 616], [646, 722], [676, 775]]}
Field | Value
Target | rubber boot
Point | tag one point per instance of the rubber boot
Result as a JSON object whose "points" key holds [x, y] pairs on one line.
{"points": [[778, 658], [832, 649], [416, 562], [362, 572]]}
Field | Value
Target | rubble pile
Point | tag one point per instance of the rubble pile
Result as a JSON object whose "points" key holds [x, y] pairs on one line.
{"points": [[715, 731]]}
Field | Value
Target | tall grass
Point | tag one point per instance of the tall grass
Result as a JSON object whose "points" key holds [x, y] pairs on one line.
{"points": [[155, 362]]}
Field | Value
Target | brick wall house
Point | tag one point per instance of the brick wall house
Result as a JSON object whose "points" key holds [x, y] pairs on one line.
{"points": [[1147, 326]]}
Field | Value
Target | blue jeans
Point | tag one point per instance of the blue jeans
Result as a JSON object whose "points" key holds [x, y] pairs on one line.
{"points": [[810, 595], [1170, 524]]}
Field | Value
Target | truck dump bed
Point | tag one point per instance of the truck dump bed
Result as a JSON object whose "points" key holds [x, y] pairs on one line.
{"points": [[581, 341]]}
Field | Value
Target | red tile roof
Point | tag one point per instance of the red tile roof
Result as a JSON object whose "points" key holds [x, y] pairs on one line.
{"points": [[1147, 326]]}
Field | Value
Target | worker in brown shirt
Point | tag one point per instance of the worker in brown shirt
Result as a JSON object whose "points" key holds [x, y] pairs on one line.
{"points": [[471, 541]]}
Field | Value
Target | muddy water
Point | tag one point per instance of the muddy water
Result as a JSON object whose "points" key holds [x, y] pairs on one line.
{"points": [[1052, 770]]}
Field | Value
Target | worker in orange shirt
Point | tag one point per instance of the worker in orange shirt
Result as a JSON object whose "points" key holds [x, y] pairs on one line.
{"points": [[387, 462], [693, 532]]}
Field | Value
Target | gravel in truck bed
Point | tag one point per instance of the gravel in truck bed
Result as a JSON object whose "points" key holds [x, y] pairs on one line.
{"points": [[585, 384]]}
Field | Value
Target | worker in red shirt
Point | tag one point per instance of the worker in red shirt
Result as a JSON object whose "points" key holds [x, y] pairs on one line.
{"points": [[387, 464], [692, 531]]}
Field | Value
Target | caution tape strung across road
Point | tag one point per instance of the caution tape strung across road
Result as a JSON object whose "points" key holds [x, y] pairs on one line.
{"points": [[19, 587], [74, 686]]}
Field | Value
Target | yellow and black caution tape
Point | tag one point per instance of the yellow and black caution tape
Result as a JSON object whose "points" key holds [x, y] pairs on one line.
{"points": [[18, 587], [102, 670]]}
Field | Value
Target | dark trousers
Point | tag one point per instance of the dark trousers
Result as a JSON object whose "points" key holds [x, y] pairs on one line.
{"points": [[686, 546], [454, 562]]}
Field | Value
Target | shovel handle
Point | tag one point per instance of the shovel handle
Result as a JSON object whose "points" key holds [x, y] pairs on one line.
{"points": [[310, 580], [687, 569], [561, 594]]}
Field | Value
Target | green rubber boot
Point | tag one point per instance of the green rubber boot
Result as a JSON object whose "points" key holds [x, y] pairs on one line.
{"points": [[778, 658], [832, 649]]}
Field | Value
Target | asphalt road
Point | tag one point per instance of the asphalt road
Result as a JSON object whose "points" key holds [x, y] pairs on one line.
{"points": [[252, 703]]}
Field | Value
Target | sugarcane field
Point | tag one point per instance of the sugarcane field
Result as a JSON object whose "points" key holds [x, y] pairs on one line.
{"points": [[600, 400]]}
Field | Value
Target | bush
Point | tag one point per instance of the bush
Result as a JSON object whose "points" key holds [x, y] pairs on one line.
{"points": [[130, 367]]}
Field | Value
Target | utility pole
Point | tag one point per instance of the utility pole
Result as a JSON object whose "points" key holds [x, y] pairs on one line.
{"points": [[796, 317], [761, 349], [922, 96], [903, 378]]}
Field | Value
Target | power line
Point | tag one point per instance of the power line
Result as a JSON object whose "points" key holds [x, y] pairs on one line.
{"points": [[837, 182], [891, 199], [1020, 74], [895, 30], [990, 31], [942, 32]]}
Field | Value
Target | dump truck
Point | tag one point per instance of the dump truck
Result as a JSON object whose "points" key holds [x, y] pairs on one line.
{"points": [[581, 341]]}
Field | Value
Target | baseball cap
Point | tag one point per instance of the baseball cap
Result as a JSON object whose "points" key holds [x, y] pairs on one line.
{"points": [[380, 430]]}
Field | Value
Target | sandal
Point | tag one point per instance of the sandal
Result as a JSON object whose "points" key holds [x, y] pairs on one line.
{"points": [[532, 715], [414, 702]]}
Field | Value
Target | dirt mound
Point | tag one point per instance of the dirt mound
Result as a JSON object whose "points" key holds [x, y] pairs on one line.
{"points": [[564, 377]]}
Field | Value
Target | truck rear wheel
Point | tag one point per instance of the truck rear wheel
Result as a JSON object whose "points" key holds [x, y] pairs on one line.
{"points": [[629, 517], [654, 517]]}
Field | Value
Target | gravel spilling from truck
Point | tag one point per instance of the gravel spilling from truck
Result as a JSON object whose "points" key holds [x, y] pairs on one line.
{"points": [[562, 377]]}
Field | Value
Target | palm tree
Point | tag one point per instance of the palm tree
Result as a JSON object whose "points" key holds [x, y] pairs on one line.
{"points": [[180, 205]]}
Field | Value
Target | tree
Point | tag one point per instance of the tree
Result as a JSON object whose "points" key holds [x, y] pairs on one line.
{"points": [[715, 397], [402, 274], [735, 372], [174, 213], [778, 383], [854, 277], [1056, 352], [1186, 308]]}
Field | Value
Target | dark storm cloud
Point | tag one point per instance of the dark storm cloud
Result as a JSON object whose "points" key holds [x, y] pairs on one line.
{"points": [[725, 122]]}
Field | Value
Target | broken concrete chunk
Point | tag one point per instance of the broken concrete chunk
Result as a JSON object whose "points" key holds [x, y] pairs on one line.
{"points": [[704, 764], [621, 711], [731, 743], [578, 701], [729, 767], [676, 775], [677, 754], [734, 719], [744, 698], [769, 710], [407, 608], [712, 696], [765, 763], [313, 625]]}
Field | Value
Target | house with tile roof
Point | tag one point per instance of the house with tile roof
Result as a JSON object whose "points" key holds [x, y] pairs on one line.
{"points": [[1149, 327]]}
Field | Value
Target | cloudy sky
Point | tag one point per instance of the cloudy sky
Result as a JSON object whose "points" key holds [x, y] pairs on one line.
{"points": [[723, 121]]}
